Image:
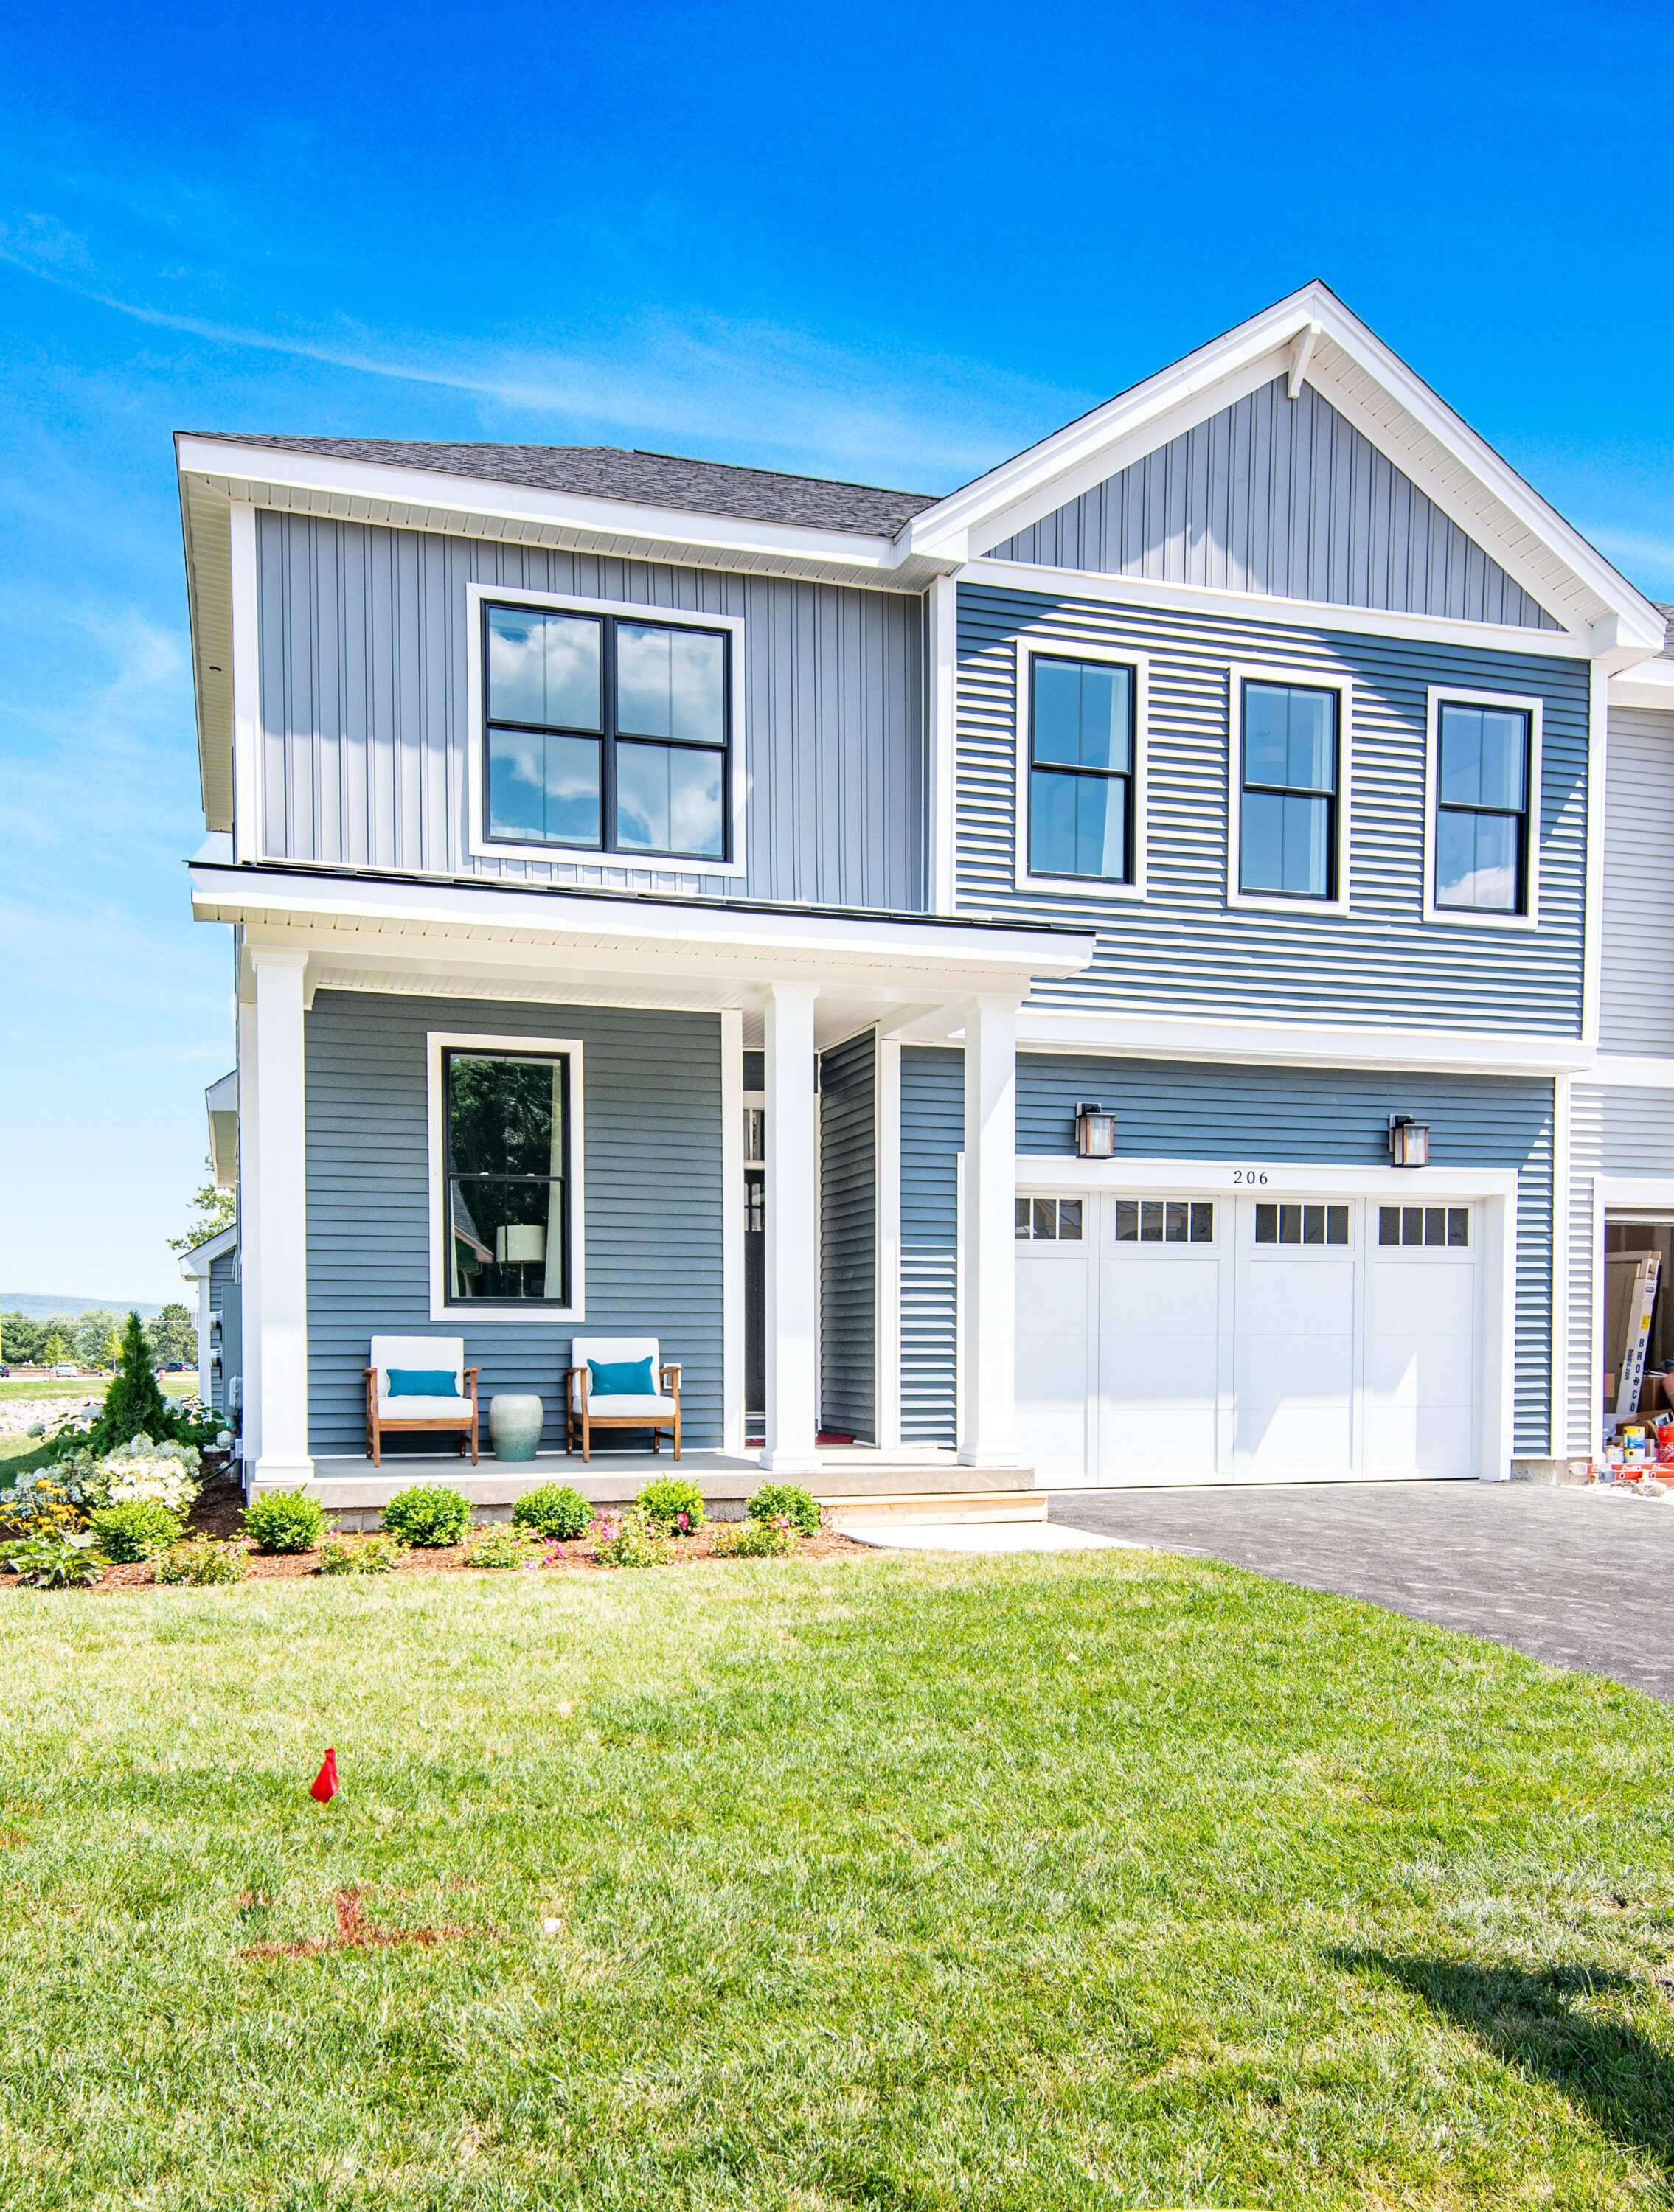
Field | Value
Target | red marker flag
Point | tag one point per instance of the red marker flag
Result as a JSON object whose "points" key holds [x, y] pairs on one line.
{"points": [[325, 1782]]}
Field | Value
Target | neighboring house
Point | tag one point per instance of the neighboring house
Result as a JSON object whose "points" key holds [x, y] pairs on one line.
{"points": [[687, 900], [212, 1267]]}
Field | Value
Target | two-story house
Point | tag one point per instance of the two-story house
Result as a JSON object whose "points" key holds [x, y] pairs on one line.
{"points": [[1143, 969]]}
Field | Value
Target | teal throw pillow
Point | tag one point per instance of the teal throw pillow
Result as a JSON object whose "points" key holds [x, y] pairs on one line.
{"points": [[423, 1382], [621, 1378]]}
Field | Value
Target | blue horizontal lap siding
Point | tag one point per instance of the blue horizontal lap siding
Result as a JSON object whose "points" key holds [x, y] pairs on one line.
{"points": [[224, 1300], [366, 712], [1186, 1111], [1183, 949], [1283, 496], [652, 1202]]}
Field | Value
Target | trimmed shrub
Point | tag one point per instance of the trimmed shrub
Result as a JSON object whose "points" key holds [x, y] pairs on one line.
{"points": [[758, 1539], [55, 1558], [503, 1546], [673, 1505], [202, 1562], [285, 1521], [785, 1501], [429, 1515], [358, 1555], [556, 1510], [136, 1531], [631, 1541]]}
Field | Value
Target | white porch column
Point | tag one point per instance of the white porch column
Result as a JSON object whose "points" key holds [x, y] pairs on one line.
{"points": [[277, 1171], [793, 1240], [988, 1236]]}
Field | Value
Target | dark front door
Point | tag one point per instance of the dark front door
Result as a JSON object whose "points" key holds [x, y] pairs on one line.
{"points": [[755, 1295]]}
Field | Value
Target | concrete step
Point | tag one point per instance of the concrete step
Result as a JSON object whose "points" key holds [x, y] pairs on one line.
{"points": [[946, 1507]]}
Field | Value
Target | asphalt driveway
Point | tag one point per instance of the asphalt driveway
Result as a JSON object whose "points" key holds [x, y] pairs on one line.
{"points": [[1583, 1578]]}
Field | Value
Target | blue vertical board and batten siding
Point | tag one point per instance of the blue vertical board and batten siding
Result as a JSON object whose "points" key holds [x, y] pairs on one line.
{"points": [[1635, 996], [1285, 497], [848, 1238], [651, 1102], [1187, 1111], [365, 713], [1182, 949]]}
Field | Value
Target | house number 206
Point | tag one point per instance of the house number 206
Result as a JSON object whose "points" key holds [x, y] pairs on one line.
{"points": [[1249, 1175]]}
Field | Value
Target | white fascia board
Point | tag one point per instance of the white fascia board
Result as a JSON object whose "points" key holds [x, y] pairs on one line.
{"points": [[430, 494], [195, 1262], [694, 938], [1285, 1178], [1085, 451], [1621, 1071], [1300, 1044], [1650, 684], [1145, 594]]}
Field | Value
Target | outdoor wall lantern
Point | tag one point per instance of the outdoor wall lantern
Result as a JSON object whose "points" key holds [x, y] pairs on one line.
{"points": [[1409, 1142], [1095, 1131]]}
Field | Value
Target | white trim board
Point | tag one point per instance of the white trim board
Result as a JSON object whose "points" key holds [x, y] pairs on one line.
{"points": [[1437, 697], [1079, 890], [589, 856], [472, 1316], [1298, 1044]]}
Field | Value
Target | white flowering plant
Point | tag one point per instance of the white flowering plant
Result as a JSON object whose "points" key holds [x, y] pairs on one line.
{"points": [[141, 1471]]}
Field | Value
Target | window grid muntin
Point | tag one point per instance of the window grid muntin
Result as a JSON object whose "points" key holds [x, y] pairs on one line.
{"points": [[553, 1063], [1435, 1228], [1305, 1223], [1165, 1221], [1126, 777], [1332, 796], [607, 736], [1048, 1220], [1519, 816]]}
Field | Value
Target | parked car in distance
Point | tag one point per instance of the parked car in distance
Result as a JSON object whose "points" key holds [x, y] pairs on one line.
{"points": [[64, 1371], [5, 1372]]}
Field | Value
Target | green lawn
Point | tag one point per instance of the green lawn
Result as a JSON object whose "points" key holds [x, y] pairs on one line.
{"points": [[85, 1386], [1086, 1882]]}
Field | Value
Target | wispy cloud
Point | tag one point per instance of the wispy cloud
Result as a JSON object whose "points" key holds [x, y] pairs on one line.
{"points": [[695, 376], [1641, 549]]}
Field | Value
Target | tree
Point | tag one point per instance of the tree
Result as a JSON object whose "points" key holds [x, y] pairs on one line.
{"points": [[174, 1335], [112, 1349], [53, 1350], [91, 1333], [215, 1210], [133, 1405], [20, 1339]]}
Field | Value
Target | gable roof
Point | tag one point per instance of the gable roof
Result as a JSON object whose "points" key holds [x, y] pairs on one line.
{"points": [[664, 480], [1310, 338]]}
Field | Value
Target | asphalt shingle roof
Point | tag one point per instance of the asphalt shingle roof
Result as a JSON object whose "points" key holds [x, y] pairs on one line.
{"points": [[651, 479]]}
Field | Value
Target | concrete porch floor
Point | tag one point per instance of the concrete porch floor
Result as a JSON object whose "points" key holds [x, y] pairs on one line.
{"points": [[850, 1478]]}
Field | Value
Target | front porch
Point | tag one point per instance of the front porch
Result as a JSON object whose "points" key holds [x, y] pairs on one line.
{"points": [[851, 1479]]}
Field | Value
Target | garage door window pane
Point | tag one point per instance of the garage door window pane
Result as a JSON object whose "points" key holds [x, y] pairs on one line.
{"points": [[1127, 1221], [1176, 1216], [1336, 1224], [1459, 1225], [1202, 1223], [1069, 1221], [1024, 1217], [1429, 1225], [1050, 1220], [1150, 1221]]}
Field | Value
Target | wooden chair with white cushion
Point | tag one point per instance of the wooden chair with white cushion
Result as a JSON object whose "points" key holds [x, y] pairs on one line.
{"points": [[405, 1413], [589, 1408]]}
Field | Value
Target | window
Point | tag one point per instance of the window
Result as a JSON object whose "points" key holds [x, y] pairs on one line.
{"points": [[1289, 764], [606, 733], [1081, 766], [1050, 1220], [1165, 1221], [1447, 1225], [506, 1123], [1483, 783], [1301, 1225]]}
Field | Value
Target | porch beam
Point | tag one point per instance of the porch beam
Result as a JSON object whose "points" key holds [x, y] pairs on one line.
{"points": [[793, 1241]]}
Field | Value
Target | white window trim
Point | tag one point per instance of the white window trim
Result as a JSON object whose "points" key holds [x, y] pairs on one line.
{"points": [[1077, 889], [1457, 695], [1296, 679], [587, 856], [436, 1043]]}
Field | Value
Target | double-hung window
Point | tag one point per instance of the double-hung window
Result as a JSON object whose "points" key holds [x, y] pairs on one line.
{"points": [[505, 1173], [1288, 790], [1082, 768], [1484, 776], [605, 732]]}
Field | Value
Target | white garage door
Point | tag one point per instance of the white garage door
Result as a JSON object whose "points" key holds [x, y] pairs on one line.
{"points": [[1192, 1339]]}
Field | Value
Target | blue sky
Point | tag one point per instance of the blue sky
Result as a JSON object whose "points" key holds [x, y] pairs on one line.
{"points": [[892, 243]]}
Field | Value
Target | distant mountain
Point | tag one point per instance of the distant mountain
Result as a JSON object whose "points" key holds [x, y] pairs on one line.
{"points": [[34, 1307]]}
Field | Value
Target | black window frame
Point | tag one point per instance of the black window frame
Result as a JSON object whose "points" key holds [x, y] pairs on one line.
{"points": [[1332, 895], [1128, 777], [1523, 816], [607, 736], [451, 1175]]}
